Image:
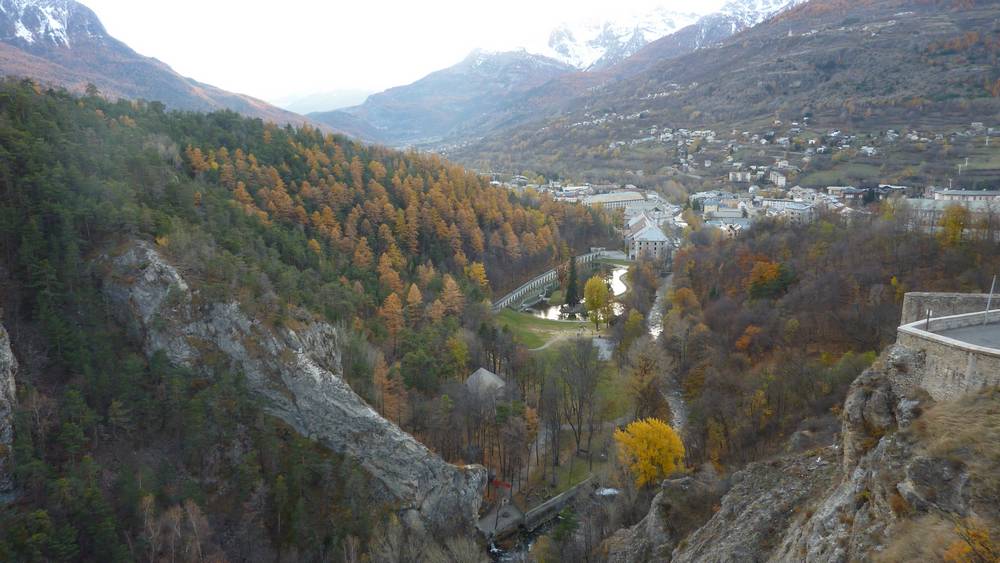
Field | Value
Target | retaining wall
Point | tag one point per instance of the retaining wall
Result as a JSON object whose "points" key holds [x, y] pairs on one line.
{"points": [[915, 305], [952, 368]]}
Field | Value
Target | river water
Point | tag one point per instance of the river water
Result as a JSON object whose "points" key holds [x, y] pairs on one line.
{"points": [[554, 312], [671, 390]]}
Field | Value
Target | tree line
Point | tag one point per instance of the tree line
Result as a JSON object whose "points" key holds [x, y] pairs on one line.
{"points": [[122, 457]]}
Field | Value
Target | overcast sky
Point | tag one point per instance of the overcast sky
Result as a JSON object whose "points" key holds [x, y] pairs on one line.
{"points": [[273, 50]]}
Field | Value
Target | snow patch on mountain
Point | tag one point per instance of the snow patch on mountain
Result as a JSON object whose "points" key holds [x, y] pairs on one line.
{"points": [[589, 43], [596, 43], [495, 61], [748, 13], [49, 23]]}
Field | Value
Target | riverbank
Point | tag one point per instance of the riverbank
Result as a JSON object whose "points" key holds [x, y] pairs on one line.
{"points": [[670, 388], [538, 330]]}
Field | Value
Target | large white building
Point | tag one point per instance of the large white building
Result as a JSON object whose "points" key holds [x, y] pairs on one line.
{"points": [[928, 213], [796, 211], [967, 195], [649, 243], [616, 200]]}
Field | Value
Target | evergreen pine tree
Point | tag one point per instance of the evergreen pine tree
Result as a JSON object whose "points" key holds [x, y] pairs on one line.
{"points": [[572, 285]]}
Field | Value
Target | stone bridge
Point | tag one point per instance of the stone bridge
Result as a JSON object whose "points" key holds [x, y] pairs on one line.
{"points": [[548, 510], [512, 520], [539, 283]]}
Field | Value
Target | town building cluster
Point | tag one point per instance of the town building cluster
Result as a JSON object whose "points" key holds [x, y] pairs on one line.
{"points": [[734, 212]]}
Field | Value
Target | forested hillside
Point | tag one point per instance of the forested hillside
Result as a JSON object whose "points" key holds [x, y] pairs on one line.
{"points": [[768, 331], [64, 43], [122, 456]]}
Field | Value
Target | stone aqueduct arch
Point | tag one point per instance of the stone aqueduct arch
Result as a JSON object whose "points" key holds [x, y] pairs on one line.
{"points": [[538, 282]]}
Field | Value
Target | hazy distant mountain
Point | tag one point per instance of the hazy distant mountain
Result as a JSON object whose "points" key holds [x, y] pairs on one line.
{"points": [[323, 101], [62, 42], [442, 103], [489, 92]]}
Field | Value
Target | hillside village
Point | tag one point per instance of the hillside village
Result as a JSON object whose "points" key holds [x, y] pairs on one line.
{"points": [[780, 171]]}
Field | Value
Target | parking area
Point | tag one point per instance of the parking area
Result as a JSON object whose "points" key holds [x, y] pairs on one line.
{"points": [[983, 335]]}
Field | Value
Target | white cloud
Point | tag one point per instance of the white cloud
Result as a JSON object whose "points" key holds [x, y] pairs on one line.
{"points": [[276, 49]]}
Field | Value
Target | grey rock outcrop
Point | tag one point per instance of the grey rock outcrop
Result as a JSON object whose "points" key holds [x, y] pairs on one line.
{"points": [[765, 497], [853, 519], [836, 504], [8, 402], [648, 540], [298, 375], [682, 505]]}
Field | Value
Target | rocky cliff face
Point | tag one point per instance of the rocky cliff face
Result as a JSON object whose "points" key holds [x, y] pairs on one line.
{"points": [[298, 375], [894, 466], [880, 459], [8, 401], [681, 506]]}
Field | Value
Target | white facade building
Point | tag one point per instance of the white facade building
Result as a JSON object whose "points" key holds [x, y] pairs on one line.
{"points": [[616, 200], [650, 243], [967, 195]]}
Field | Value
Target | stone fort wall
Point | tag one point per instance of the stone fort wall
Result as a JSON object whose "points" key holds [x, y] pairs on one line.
{"points": [[915, 305], [952, 368]]}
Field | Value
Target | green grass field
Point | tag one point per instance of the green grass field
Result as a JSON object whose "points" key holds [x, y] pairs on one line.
{"points": [[613, 389], [984, 158], [842, 174], [534, 332]]}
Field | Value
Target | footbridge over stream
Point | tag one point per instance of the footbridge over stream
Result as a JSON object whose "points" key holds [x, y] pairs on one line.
{"points": [[507, 519]]}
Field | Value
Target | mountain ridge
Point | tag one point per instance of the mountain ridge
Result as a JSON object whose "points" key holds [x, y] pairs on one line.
{"points": [[445, 101], [815, 59], [64, 44], [594, 45], [417, 115]]}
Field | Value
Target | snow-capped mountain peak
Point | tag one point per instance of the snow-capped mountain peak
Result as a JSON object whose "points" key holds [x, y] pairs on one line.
{"points": [[752, 12], [516, 60], [593, 43], [47, 23]]}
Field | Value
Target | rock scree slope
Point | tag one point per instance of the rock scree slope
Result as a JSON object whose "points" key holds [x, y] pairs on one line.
{"points": [[298, 374]]}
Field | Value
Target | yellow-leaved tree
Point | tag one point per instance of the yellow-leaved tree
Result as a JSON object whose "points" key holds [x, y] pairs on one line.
{"points": [[651, 449], [597, 298], [953, 224]]}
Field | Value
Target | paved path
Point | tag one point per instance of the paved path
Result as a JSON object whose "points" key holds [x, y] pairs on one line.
{"points": [[563, 337], [988, 335]]}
